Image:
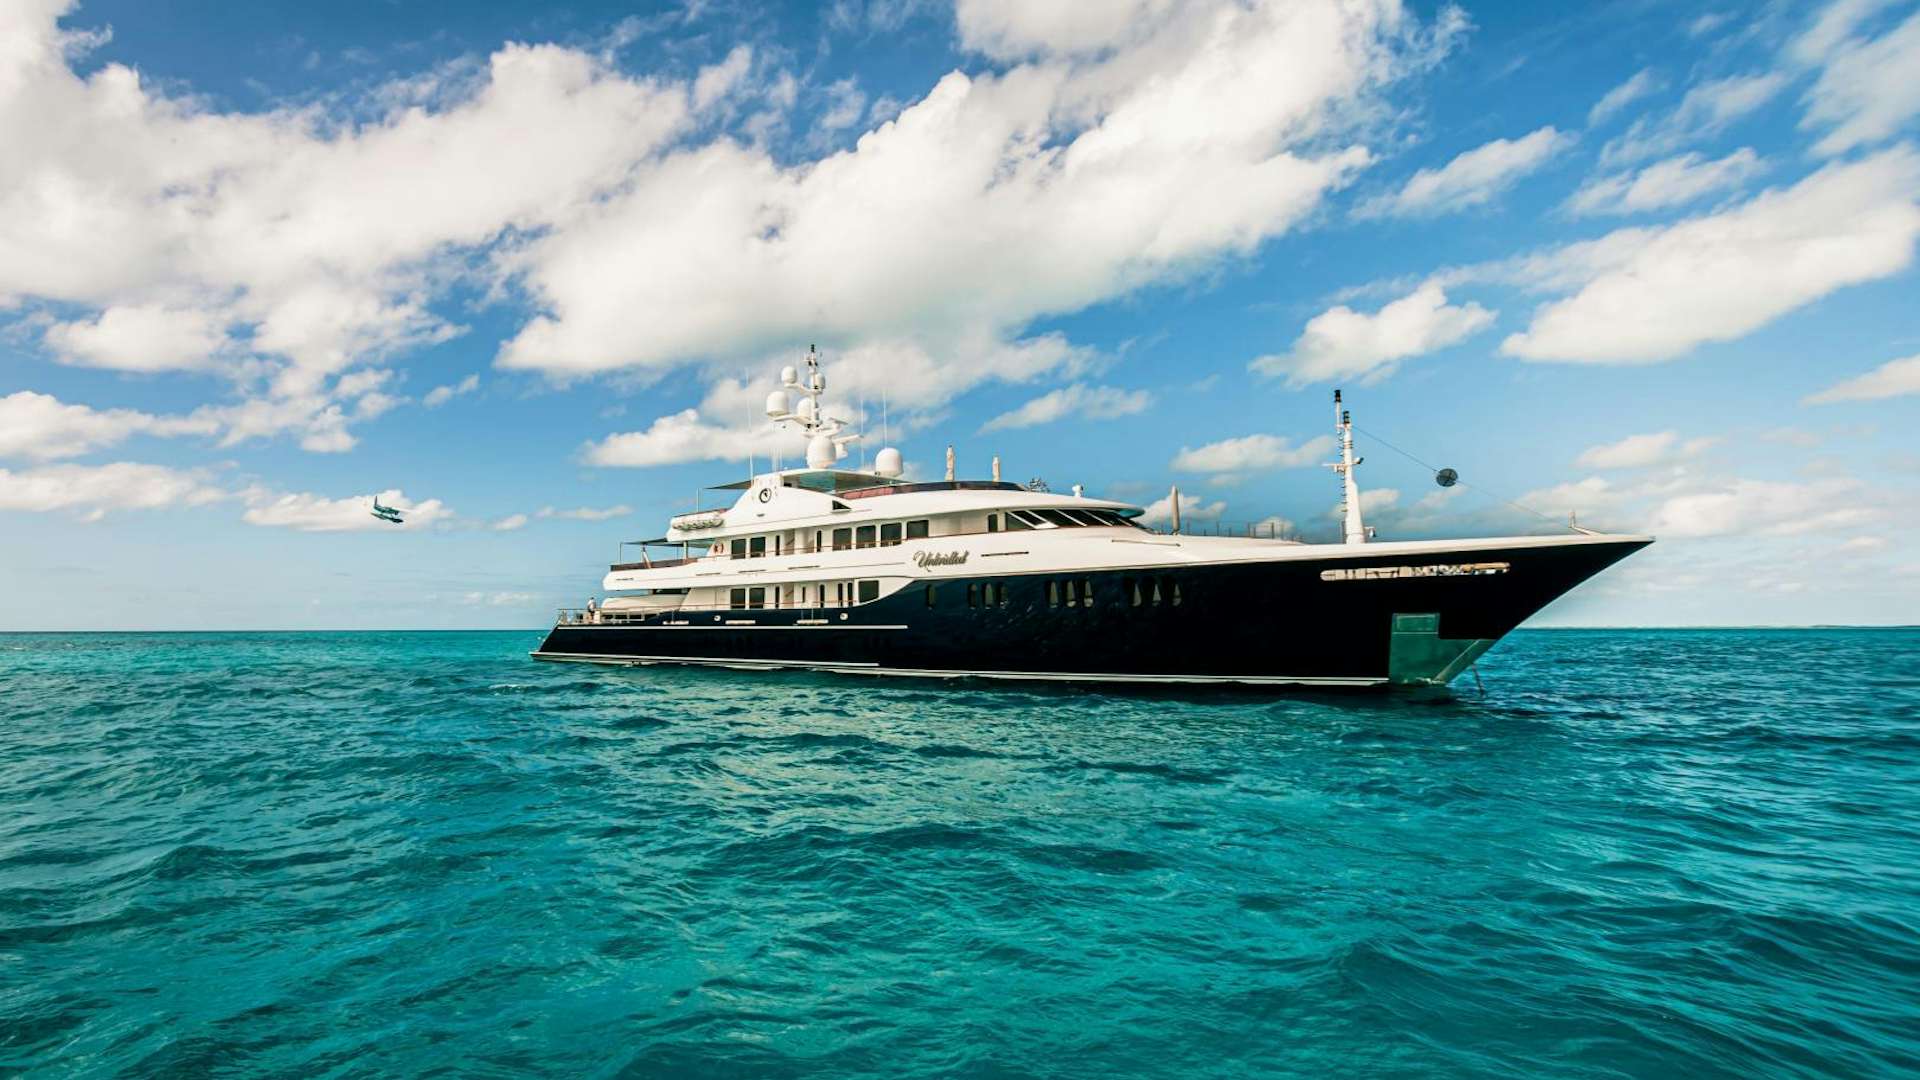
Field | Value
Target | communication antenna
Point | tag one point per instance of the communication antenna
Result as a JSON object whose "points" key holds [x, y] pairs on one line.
{"points": [[827, 436]]}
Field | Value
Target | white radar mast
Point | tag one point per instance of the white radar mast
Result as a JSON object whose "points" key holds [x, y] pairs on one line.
{"points": [[827, 436], [1355, 531]]}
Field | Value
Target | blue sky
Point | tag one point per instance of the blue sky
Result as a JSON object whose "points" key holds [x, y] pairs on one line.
{"points": [[530, 269]]}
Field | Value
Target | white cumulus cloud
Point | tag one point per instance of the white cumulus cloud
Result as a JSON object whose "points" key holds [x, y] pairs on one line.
{"points": [[1252, 452], [1642, 83], [41, 426], [440, 395], [997, 198], [1707, 109], [1895, 378], [1675, 181], [1471, 179], [1160, 511], [1867, 90], [144, 337], [1020, 28], [1077, 399], [1645, 295], [94, 490], [1642, 451], [1341, 343]]}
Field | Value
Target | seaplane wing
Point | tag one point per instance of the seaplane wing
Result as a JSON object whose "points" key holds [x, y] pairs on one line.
{"points": [[387, 513]]}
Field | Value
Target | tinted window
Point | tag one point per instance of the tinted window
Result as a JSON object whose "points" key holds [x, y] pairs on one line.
{"points": [[929, 595], [916, 530], [1084, 517], [739, 548], [757, 546], [737, 598], [842, 539], [889, 534], [757, 597], [863, 536], [869, 591], [1057, 518], [993, 522]]}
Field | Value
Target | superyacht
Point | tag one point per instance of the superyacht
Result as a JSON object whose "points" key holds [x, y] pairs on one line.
{"points": [[860, 572]]}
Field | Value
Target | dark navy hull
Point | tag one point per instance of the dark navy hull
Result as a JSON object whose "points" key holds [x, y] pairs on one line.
{"points": [[1276, 622]]}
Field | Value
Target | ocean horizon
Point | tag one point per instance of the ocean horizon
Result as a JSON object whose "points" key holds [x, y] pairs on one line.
{"points": [[1638, 853]]}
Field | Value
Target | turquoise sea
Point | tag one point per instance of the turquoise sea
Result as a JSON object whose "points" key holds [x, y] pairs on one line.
{"points": [[1640, 854]]}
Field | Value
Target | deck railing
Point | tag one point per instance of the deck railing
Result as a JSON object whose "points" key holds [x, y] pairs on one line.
{"points": [[1257, 530]]}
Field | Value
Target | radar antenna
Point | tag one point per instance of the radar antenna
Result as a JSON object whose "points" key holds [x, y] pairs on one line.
{"points": [[827, 436]]}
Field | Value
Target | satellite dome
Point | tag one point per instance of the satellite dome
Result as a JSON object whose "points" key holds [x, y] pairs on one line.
{"points": [[805, 410], [887, 463], [777, 403], [788, 375], [821, 453]]}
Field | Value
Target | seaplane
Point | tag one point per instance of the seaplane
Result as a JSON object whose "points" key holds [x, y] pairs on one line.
{"points": [[387, 513]]}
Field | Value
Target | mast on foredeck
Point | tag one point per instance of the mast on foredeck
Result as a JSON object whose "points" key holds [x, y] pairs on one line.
{"points": [[1354, 531]]}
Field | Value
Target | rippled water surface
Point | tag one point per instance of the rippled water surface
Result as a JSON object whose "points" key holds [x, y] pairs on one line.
{"points": [[1640, 854]]}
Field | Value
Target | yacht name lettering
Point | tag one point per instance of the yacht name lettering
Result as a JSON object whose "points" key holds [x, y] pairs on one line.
{"points": [[925, 559]]}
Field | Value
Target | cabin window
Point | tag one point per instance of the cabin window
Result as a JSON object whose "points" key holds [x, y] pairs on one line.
{"points": [[863, 536], [993, 522], [739, 548], [1156, 592], [930, 589], [1053, 594], [890, 534], [869, 591], [1130, 589], [999, 591], [917, 530], [842, 539], [757, 547], [1086, 591], [777, 538], [1080, 517], [1023, 519], [819, 541], [737, 598], [973, 594], [1176, 594], [757, 597], [1073, 593]]}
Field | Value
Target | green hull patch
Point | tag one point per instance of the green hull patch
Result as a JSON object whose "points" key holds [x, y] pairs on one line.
{"points": [[1419, 656]]}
